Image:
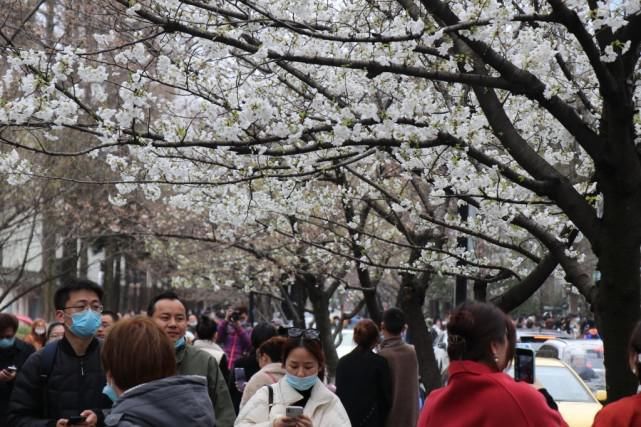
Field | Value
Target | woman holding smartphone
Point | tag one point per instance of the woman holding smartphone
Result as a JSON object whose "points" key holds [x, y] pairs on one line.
{"points": [[481, 343], [299, 399]]}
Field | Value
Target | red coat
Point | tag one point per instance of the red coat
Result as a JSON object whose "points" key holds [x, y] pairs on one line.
{"points": [[477, 396], [625, 412]]}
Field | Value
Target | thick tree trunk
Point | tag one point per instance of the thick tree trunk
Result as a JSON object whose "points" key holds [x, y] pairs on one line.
{"points": [[114, 304], [108, 274], [411, 299], [320, 306], [69, 261], [618, 293], [83, 268], [48, 263], [480, 290]]}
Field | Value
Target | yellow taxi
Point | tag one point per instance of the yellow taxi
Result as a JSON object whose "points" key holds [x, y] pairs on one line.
{"points": [[577, 404]]}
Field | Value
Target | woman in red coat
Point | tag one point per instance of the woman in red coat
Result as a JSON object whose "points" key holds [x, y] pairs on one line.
{"points": [[625, 412], [481, 342]]}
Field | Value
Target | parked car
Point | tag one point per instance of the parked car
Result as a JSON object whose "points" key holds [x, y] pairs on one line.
{"points": [[577, 404], [584, 356]]}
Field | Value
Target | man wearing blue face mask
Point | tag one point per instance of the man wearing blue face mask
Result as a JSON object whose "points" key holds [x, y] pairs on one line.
{"points": [[65, 378], [13, 353]]}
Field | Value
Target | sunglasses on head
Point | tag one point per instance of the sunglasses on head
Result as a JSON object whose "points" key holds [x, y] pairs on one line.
{"points": [[308, 334]]}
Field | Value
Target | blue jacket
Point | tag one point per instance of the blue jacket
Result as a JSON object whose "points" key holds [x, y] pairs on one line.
{"points": [[167, 402]]}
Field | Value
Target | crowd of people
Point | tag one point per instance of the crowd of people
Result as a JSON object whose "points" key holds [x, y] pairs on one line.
{"points": [[169, 368]]}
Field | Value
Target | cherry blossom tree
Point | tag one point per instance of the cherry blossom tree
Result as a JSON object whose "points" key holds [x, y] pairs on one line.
{"points": [[526, 110]]}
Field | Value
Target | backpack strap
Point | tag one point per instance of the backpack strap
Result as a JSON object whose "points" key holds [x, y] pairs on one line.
{"points": [[270, 399], [47, 360]]}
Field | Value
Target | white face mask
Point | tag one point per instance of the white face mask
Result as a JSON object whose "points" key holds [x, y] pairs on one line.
{"points": [[40, 331]]}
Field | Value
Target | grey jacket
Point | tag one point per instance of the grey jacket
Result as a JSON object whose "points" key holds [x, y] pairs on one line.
{"points": [[168, 402]]}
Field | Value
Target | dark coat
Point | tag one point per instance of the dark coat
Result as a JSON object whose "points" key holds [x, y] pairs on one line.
{"points": [[167, 402], [75, 384], [15, 355], [363, 383], [250, 365]]}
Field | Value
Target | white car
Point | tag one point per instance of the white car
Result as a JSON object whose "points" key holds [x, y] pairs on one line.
{"points": [[345, 343]]}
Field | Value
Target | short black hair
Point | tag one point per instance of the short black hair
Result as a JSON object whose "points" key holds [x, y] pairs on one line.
{"points": [[261, 333], [61, 296], [170, 295], [114, 316], [8, 320], [394, 320], [206, 328]]}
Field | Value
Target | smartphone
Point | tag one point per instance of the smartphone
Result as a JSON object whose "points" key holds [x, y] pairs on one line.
{"points": [[293, 411], [76, 420], [12, 369], [524, 365], [240, 380]]}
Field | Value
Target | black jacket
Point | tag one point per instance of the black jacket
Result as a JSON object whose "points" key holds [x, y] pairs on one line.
{"points": [[363, 383], [250, 364], [74, 384], [15, 355]]}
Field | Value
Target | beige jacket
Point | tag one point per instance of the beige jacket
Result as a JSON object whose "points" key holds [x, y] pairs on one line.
{"points": [[323, 407], [403, 366], [269, 374]]}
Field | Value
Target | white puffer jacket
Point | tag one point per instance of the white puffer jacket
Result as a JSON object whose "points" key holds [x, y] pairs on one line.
{"points": [[323, 407]]}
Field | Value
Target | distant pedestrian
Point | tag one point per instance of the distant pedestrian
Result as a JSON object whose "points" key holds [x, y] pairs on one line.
{"points": [[13, 353], [625, 412], [55, 331], [403, 364], [363, 379], [38, 335], [247, 365], [140, 365], [270, 360], [206, 331], [233, 336], [481, 342], [107, 320]]}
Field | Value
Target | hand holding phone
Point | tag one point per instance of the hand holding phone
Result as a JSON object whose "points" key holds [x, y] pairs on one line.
{"points": [[524, 365], [293, 411], [75, 420]]}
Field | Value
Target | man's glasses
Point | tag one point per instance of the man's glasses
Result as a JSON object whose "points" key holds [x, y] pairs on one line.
{"points": [[80, 308], [308, 334]]}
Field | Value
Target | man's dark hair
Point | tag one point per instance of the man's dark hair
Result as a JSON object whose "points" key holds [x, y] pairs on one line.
{"points": [[8, 320], [61, 296], [394, 321], [206, 328], [114, 316], [170, 295]]}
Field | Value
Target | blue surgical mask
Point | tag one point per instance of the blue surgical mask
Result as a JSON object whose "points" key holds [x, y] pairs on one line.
{"points": [[109, 391], [7, 342], [85, 324], [301, 383], [180, 343]]}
